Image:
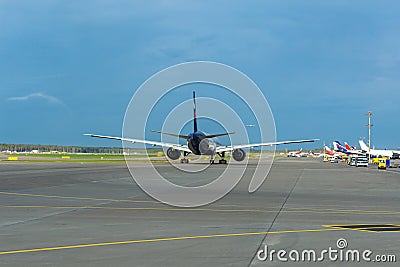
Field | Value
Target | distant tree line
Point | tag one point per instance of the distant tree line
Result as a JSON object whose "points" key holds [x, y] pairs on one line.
{"points": [[65, 149]]}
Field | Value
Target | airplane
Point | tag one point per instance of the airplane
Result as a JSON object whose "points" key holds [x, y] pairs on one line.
{"points": [[340, 148], [295, 153], [378, 152], [348, 147], [314, 154], [353, 149], [332, 153], [201, 143]]}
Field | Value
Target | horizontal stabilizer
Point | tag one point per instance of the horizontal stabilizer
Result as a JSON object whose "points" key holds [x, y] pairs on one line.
{"points": [[214, 135], [171, 134]]}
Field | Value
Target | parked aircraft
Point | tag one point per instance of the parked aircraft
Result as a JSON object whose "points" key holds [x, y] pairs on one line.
{"points": [[314, 155], [295, 153], [332, 153], [348, 147], [378, 152], [340, 148]]}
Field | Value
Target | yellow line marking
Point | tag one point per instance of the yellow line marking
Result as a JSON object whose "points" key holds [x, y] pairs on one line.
{"points": [[159, 240], [362, 224], [80, 198], [203, 209], [364, 227]]}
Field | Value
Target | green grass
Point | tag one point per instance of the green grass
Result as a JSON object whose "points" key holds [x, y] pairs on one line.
{"points": [[85, 157], [86, 161], [78, 155]]}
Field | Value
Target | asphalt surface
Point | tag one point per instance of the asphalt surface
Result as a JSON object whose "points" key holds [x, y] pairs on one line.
{"points": [[93, 214]]}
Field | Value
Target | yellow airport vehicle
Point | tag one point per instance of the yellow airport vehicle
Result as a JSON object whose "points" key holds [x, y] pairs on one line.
{"points": [[383, 163], [12, 158], [375, 160], [326, 159]]}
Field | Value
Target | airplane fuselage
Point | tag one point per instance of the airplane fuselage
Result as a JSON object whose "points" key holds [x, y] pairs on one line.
{"points": [[200, 145], [194, 142]]}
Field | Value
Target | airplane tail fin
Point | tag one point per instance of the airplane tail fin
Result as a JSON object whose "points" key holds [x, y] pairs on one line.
{"points": [[339, 147], [194, 126], [347, 146], [194, 113], [363, 146], [337, 142], [335, 146]]}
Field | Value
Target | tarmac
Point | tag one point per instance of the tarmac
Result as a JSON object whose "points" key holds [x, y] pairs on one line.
{"points": [[93, 214]]}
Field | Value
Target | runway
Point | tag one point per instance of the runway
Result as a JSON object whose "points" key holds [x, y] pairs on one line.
{"points": [[93, 214]]}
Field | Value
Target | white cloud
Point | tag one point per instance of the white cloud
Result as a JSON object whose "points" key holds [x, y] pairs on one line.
{"points": [[48, 98]]}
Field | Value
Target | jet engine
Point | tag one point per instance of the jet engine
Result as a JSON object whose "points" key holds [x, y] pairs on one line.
{"points": [[173, 153], [207, 147], [239, 154]]}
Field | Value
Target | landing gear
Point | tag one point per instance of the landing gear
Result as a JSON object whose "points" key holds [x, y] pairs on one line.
{"points": [[222, 160], [185, 160], [212, 161]]}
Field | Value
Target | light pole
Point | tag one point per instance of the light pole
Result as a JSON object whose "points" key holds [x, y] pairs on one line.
{"points": [[369, 125]]}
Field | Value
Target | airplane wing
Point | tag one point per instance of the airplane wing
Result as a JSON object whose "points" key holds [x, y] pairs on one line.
{"points": [[153, 143], [231, 148]]}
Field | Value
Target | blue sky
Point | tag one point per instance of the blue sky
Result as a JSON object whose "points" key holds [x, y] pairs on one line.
{"points": [[71, 67]]}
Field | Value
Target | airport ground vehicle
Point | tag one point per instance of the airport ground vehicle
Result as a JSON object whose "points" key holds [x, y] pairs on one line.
{"points": [[352, 161], [358, 160], [383, 163], [361, 161], [334, 160]]}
